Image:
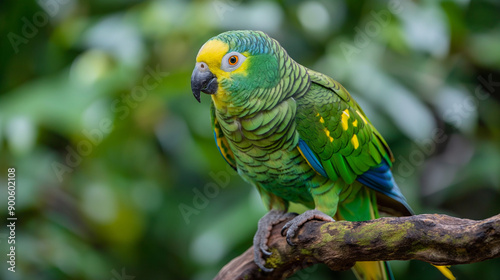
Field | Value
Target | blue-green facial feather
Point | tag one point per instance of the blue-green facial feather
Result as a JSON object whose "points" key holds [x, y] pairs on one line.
{"points": [[254, 42], [270, 77]]}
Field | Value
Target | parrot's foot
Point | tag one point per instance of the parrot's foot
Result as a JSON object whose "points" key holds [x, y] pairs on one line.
{"points": [[261, 237], [291, 228]]}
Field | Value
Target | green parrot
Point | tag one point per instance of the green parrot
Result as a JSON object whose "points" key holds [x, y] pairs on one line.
{"points": [[298, 136]]}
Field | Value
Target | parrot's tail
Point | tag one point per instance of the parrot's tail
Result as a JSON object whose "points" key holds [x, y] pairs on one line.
{"points": [[361, 206], [445, 271], [382, 271], [373, 271]]}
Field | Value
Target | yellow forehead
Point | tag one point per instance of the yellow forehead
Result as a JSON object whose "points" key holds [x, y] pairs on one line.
{"points": [[212, 52]]}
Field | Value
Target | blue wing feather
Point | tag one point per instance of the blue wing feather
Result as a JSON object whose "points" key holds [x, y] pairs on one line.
{"points": [[311, 158], [378, 178]]}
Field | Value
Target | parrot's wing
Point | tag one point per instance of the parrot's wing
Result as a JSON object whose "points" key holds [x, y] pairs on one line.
{"points": [[221, 141], [338, 141]]}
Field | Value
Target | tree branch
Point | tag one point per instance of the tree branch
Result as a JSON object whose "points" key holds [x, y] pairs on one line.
{"points": [[437, 239]]}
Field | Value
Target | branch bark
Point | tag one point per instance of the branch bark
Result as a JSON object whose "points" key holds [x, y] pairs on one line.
{"points": [[436, 239]]}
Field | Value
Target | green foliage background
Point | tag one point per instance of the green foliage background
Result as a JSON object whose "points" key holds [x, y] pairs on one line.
{"points": [[110, 147]]}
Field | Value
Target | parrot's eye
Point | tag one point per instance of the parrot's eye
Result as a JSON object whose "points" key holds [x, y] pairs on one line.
{"points": [[232, 61]]}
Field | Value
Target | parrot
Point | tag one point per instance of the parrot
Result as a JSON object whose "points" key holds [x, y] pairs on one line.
{"points": [[298, 136]]}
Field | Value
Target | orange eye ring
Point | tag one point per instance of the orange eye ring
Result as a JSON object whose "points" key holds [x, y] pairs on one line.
{"points": [[233, 60]]}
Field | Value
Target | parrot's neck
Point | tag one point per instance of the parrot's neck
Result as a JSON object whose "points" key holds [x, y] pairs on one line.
{"points": [[260, 129], [226, 108], [223, 104]]}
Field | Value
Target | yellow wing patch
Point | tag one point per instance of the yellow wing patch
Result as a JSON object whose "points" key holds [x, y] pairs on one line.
{"points": [[327, 132], [344, 118], [355, 141], [321, 120]]}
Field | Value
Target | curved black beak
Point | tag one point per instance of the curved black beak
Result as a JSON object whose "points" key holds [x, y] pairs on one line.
{"points": [[203, 80]]}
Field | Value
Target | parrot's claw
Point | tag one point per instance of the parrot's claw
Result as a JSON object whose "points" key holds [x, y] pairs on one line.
{"points": [[291, 228], [261, 237]]}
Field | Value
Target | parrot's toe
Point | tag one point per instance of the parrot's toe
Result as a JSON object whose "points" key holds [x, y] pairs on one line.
{"points": [[261, 237], [291, 228], [265, 249]]}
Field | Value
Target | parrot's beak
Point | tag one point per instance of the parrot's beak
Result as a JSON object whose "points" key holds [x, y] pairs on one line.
{"points": [[203, 80]]}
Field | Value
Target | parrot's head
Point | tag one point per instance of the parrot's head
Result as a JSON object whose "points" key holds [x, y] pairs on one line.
{"points": [[235, 66]]}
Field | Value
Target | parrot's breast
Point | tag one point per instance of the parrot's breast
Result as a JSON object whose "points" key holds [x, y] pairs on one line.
{"points": [[265, 151]]}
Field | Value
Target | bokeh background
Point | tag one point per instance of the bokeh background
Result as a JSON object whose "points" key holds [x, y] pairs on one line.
{"points": [[117, 173]]}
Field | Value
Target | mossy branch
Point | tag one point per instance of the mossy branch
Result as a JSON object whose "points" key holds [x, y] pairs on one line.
{"points": [[436, 239]]}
